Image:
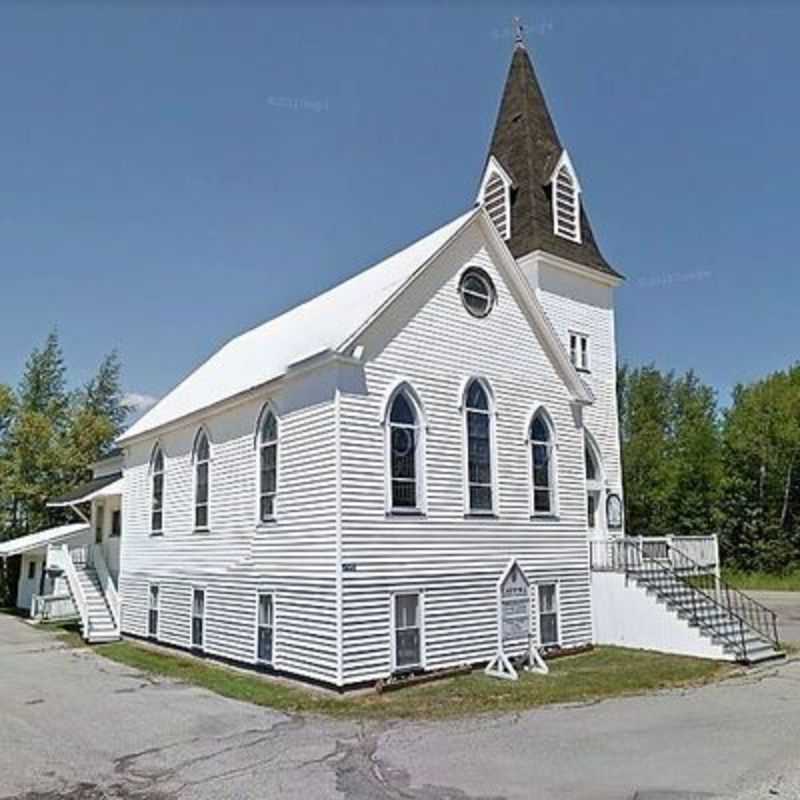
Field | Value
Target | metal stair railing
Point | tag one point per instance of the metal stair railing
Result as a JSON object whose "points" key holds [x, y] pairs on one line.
{"points": [[742, 610], [759, 618]]}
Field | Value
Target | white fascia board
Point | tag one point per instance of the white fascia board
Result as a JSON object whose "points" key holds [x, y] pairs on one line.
{"points": [[493, 165], [550, 260], [535, 314], [111, 490], [353, 338], [41, 539], [530, 305], [106, 466], [296, 370], [565, 160]]}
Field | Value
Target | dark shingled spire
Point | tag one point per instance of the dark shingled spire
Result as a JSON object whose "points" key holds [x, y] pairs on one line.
{"points": [[526, 144]]}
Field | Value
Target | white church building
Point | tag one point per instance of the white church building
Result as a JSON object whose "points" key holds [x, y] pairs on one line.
{"points": [[336, 493]]}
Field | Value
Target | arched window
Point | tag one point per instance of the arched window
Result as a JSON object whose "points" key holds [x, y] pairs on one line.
{"points": [[202, 465], [594, 485], [543, 475], [157, 477], [404, 453], [268, 465], [479, 448], [591, 464]]}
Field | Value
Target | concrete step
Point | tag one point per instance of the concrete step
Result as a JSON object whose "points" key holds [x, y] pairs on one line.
{"points": [[102, 629], [104, 638]]}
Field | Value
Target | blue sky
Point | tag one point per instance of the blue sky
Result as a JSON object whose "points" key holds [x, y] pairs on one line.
{"points": [[173, 173]]}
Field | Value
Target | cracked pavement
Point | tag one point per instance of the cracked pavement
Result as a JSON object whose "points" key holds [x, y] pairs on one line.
{"points": [[74, 726]]}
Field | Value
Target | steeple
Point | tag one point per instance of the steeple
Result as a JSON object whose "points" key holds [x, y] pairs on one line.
{"points": [[525, 144]]}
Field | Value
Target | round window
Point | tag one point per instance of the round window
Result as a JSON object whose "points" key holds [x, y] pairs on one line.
{"points": [[477, 292]]}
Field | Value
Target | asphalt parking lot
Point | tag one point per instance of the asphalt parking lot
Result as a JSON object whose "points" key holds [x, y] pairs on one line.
{"points": [[74, 726], [787, 606]]}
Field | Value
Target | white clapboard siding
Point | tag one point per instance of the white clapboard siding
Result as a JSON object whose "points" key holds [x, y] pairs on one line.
{"points": [[456, 561], [574, 303], [332, 528], [294, 557]]}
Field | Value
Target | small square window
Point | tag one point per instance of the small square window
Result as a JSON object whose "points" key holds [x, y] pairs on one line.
{"points": [[31, 570], [579, 351]]}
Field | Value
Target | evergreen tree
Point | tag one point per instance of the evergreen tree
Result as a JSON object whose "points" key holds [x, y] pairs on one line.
{"points": [[103, 394], [7, 403], [49, 437], [42, 389]]}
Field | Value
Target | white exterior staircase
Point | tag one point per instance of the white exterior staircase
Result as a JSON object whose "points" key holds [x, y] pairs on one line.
{"points": [[722, 621], [100, 625], [730, 628], [93, 592]]}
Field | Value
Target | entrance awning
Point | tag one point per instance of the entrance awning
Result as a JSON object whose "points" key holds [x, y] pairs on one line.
{"points": [[107, 486], [36, 541]]}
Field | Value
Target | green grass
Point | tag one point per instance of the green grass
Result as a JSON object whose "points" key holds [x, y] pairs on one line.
{"points": [[602, 673], [68, 632], [763, 581]]}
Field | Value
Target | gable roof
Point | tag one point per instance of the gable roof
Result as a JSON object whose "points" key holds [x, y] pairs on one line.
{"points": [[106, 486], [526, 143], [33, 541], [330, 323], [270, 350]]}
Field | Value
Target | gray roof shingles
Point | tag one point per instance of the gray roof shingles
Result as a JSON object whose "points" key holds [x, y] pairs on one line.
{"points": [[526, 143], [84, 489]]}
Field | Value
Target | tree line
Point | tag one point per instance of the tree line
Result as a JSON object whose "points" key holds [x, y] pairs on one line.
{"points": [[691, 467], [50, 434]]}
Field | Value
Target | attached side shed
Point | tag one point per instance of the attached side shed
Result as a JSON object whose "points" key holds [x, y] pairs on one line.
{"points": [[33, 551]]}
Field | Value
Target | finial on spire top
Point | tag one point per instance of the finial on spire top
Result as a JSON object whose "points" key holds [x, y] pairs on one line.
{"points": [[519, 33]]}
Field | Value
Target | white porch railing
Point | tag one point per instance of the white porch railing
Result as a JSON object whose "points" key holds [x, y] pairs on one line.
{"points": [[62, 557], [616, 555], [52, 606]]}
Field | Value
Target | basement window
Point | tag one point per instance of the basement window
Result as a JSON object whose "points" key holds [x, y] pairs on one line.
{"points": [[266, 616], [198, 618], [152, 612], [407, 632], [548, 615]]}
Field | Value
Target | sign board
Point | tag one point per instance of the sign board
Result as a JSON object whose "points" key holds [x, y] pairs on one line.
{"points": [[515, 606], [513, 624], [614, 512]]}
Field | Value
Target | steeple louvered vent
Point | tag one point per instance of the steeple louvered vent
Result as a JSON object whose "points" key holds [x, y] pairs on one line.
{"points": [[566, 205], [495, 196], [495, 201]]}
